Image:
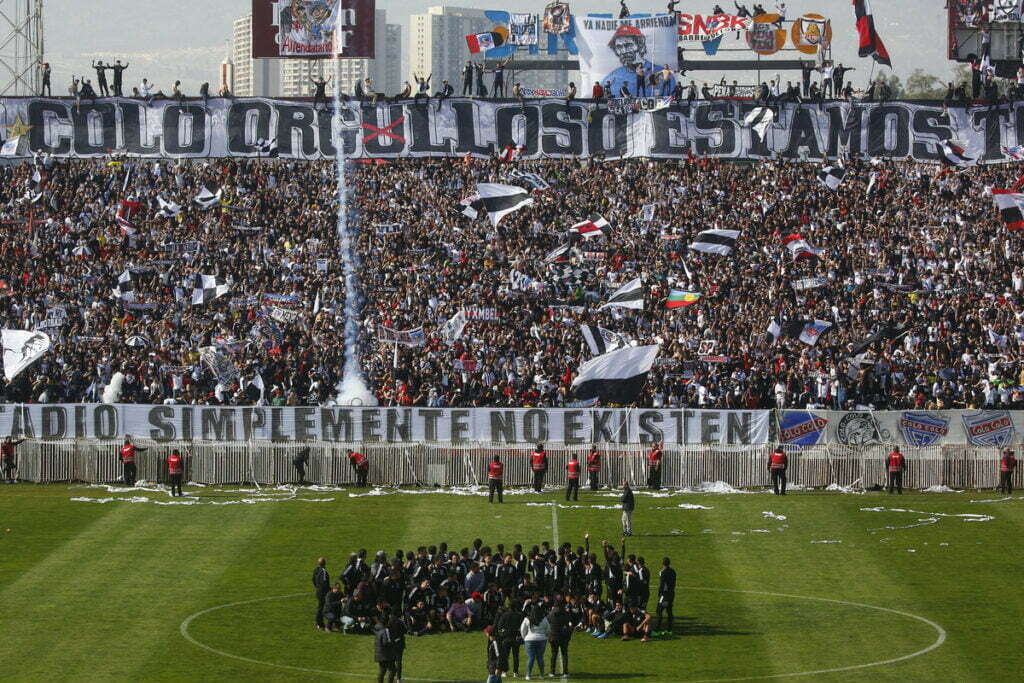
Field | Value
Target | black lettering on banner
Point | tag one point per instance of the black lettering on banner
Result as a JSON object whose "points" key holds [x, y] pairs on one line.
{"points": [[301, 119], [186, 423], [305, 424], [803, 133], [687, 414], [596, 134], [399, 430], [720, 121], [160, 417], [369, 424], [383, 138], [430, 418], [503, 426], [83, 117], [41, 123], [665, 122], [737, 427], [350, 130], [460, 426], [602, 431], [276, 425], [677, 417], [650, 432], [237, 121], [218, 424], [535, 426], [571, 426], [506, 122], [22, 426], [467, 125], [563, 132], [134, 126], [336, 424], [173, 114], [879, 127], [842, 131], [991, 122], [105, 422], [254, 419], [419, 123], [55, 422], [81, 430], [930, 123], [710, 427]]}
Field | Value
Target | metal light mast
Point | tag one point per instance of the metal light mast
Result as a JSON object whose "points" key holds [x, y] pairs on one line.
{"points": [[21, 47]]}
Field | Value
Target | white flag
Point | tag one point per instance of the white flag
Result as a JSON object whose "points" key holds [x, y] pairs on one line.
{"points": [[21, 349]]}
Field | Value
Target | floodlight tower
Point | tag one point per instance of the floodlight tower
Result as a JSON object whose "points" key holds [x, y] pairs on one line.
{"points": [[21, 47]]}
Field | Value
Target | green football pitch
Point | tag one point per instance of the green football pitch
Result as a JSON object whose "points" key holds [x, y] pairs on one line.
{"points": [[100, 584]]}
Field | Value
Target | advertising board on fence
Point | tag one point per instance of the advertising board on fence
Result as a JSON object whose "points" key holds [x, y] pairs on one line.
{"points": [[915, 428], [544, 129], [387, 425]]}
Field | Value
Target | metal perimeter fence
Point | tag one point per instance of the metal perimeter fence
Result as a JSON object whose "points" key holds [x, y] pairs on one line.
{"points": [[434, 464]]}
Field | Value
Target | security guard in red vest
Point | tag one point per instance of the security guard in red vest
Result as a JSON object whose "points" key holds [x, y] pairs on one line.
{"points": [[654, 459], [175, 469], [495, 479], [594, 467], [539, 465], [572, 478], [896, 463], [361, 464], [127, 457], [778, 461], [7, 454], [1007, 464]]}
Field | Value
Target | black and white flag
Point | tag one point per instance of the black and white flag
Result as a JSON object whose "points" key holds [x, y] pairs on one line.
{"points": [[266, 148], [601, 340], [715, 241], [595, 226], [125, 289], [21, 349], [500, 200], [531, 179], [167, 209], [207, 289], [953, 154], [832, 177], [759, 119], [558, 254], [616, 377], [207, 198], [629, 295], [471, 206]]}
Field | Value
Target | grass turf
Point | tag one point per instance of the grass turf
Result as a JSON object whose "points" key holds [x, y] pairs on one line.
{"points": [[99, 591]]}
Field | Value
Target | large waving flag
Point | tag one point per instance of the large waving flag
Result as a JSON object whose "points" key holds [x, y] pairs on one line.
{"points": [[500, 200], [629, 295], [870, 44], [616, 377], [678, 298], [1011, 208]]}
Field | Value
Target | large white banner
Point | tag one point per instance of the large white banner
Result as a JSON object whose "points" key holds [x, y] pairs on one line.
{"points": [[611, 50], [915, 428], [388, 425], [21, 349]]}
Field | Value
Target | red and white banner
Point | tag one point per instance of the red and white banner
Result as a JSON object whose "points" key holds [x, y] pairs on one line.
{"points": [[710, 26]]}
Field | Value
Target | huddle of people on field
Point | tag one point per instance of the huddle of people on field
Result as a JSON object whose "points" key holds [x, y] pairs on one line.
{"points": [[518, 597]]}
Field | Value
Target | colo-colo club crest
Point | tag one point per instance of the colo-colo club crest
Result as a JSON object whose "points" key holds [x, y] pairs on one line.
{"points": [[989, 427], [923, 429], [859, 429]]}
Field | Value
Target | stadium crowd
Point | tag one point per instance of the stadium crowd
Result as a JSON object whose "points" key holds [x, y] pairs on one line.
{"points": [[540, 596], [923, 249]]}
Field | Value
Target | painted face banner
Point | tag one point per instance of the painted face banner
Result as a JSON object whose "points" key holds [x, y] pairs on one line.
{"points": [[313, 29], [619, 51]]}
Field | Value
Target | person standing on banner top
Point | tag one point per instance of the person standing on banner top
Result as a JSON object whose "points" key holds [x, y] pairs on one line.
{"points": [[361, 465], [778, 462], [654, 460], [896, 463], [495, 479], [572, 478], [594, 467], [1007, 464], [9, 458], [539, 465], [127, 456], [628, 505], [175, 470]]}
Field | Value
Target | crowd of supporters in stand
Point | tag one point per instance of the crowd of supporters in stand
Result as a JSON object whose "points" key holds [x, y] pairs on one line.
{"points": [[924, 249]]}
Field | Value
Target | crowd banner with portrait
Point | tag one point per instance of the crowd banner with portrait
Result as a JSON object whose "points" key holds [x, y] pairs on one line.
{"points": [[612, 50]]}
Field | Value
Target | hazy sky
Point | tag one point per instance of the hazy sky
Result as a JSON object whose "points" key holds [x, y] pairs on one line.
{"points": [[187, 39]]}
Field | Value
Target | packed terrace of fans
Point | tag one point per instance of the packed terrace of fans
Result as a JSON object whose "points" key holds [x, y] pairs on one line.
{"points": [[924, 249]]}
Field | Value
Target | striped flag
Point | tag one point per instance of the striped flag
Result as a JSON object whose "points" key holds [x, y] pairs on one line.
{"points": [[760, 119], [870, 45], [558, 254], [832, 177], [1011, 208], [500, 200], [616, 377], [800, 248], [125, 289], [629, 295], [126, 216], [595, 226], [678, 298], [953, 154], [601, 340], [715, 241]]}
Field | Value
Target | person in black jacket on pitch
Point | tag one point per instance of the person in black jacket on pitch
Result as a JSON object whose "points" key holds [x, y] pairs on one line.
{"points": [[508, 626], [628, 505], [494, 669], [389, 642], [322, 585], [560, 633], [666, 592]]}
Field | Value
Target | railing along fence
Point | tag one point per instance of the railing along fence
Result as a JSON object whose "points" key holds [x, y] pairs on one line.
{"points": [[445, 464]]}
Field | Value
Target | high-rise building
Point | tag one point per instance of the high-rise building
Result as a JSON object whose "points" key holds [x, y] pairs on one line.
{"points": [[227, 76], [437, 42], [253, 77], [292, 77]]}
